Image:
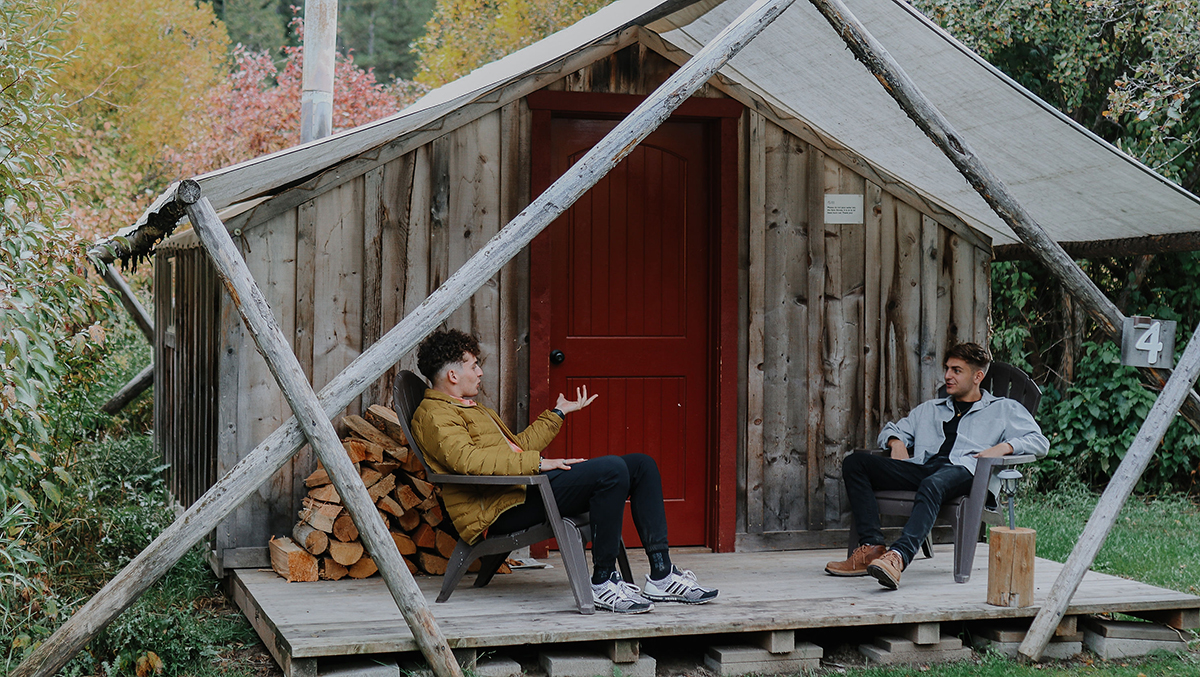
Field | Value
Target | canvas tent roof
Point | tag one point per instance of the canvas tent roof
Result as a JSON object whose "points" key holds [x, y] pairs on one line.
{"points": [[1077, 186]]}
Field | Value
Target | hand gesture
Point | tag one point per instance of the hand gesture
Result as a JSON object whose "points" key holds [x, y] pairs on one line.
{"points": [[581, 400], [558, 463]]}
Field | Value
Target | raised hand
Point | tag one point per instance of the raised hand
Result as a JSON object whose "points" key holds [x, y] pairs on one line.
{"points": [[581, 400]]}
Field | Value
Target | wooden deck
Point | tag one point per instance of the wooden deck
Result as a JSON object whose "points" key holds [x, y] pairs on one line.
{"points": [[759, 591]]}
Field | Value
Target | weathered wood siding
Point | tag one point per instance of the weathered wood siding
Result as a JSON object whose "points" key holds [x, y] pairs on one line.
{"points": [[847, 325], [842, 327]]}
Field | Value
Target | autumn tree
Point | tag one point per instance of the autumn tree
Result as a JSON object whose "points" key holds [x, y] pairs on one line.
{"points": [[463, 35]]}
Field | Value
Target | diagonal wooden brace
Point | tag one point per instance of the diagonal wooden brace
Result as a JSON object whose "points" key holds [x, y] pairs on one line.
{"points": [[260, 464], [282, 362]]}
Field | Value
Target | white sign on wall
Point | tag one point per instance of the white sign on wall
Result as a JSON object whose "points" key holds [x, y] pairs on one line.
{"points": [[843, 209]]}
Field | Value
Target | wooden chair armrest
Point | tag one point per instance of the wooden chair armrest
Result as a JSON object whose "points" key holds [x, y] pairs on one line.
{"points": [[502, 480]]}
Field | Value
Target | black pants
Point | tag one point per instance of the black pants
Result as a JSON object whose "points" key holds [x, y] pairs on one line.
{"points": [[599, 486], [935, 482]]}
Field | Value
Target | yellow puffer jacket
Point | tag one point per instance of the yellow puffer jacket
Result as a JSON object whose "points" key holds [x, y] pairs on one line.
{"points": [[464, 439]]}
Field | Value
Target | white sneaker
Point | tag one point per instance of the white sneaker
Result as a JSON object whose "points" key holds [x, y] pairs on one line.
{"points": [[678, 586], [620, 597]]}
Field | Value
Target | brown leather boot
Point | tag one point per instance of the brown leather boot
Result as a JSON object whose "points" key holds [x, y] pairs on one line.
{"points": [[887, 569], [856, 565]]}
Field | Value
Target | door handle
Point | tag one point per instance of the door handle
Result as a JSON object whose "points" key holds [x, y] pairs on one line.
{"points": [[557, 357]]}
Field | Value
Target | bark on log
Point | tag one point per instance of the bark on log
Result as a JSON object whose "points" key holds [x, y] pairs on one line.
{"points": [[261, 463], [387, 422], [346, 553], [1104, 516], [913, 102], [313, 540], [129, 392], [320, 515]]}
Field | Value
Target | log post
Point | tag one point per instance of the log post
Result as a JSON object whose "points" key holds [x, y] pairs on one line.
{"points": [[1114, 496], [271, 343], [1010, 566], [1049, 253], [261, 463]]}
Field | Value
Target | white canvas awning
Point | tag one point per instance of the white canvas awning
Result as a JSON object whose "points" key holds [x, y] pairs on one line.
{"points": [[1077, 186]]}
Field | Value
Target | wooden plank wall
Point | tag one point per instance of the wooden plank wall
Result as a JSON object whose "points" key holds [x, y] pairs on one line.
{"points": [[859, 317]]}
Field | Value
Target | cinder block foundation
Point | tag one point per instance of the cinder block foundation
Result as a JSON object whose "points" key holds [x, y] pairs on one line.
{"points": [[743, 660], [889, 650], [1005, 637], [591, 664], [1123, 639]]}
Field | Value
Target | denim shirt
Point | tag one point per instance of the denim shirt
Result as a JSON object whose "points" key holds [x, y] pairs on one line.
{"points": [[988, 422]]}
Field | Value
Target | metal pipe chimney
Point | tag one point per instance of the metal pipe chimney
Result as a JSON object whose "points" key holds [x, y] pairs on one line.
{"points": [[320, 43]]}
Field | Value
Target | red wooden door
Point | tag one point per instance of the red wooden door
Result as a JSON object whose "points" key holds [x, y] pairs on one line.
{"points": [[621, 286]]}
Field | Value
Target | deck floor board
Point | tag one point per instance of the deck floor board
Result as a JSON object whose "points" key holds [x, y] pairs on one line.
{"points": [[759, 591]]}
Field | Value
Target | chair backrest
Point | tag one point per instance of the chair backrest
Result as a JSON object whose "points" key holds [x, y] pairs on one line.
{"points": [[408, 390], [1005, 380]]}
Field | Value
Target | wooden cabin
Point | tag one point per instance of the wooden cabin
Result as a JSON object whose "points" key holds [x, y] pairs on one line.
{"points": [[770, 276]]}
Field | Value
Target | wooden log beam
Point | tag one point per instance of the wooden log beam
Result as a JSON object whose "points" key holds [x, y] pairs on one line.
{"points": [[1093, 249], [285, 367], [921, 110], [1104, 516], [134, 307], [128, 392], [261, 463]]}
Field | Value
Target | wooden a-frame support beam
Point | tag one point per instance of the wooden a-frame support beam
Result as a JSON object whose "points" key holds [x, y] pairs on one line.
{"points": [[1177, 391], [261, 463], [876, 58], [138, 384]]}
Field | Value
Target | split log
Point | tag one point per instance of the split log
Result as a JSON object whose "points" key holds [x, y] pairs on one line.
{"points": [[374, 452], [370, 476], [331, 570], [409, 520], [317, 479], [402, 455], [356, 450], [382, 487], [272, 453], [433, 515], [345, 554], [314, 540], [431, 564], [390, 506], [412, 566], [387, 422], [404, 544], [325, 493], [425, 537], [344, 529], [320, 515], [363, 568], [291, 561], [445, 543], [368, 432], [422, 487], [407, 498], [428, 504], [385, 468], [412, 465]]}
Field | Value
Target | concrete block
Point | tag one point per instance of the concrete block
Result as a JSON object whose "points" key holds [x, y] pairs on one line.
{"points": [[1123, 647], [744, 660], [622, 650], [361, 667], [920, 633], [1055, 649], [584, 664], [889, 650], [1131, 630], [776, 641], [497, 666], [417, 667]]}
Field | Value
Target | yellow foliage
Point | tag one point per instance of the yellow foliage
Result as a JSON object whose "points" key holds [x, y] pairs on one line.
{"points": [[463, 35], [140, 65]]}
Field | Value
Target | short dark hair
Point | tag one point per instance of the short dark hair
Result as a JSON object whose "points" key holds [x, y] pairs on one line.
{"points": [[447, 346], [973, 354]]}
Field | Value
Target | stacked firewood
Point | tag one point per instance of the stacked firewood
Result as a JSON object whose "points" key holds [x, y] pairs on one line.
{"points": [[327, 543]]}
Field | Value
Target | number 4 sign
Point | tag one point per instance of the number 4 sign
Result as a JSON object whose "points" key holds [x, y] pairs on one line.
{"points": [[1147, 342]]}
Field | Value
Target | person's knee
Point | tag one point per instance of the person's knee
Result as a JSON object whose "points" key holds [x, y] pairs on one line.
{"points": [[855, 464], [611, 470], [640, 465]]}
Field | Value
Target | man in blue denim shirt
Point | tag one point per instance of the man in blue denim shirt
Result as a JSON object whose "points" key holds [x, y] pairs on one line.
{"points": [[945, 436]]}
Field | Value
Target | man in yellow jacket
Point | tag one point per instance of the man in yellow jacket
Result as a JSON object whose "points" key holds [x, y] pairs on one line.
{"points": [[460, 436]]}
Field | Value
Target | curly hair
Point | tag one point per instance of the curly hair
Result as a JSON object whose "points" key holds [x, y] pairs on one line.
{"points": [[973, 354], [442, 348]]}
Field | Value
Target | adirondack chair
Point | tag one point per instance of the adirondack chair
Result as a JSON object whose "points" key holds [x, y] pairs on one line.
{"points": [[572, 532], [967, 514]]}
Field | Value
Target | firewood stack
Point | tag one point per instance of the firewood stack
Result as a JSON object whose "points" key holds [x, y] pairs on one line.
{"points": [[326, 541]]}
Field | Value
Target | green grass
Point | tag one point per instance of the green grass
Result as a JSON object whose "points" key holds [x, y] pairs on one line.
{"points": [[997, 666]]}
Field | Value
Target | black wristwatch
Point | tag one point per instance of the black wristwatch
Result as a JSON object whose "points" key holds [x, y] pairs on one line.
{"points": [[560, 413]]}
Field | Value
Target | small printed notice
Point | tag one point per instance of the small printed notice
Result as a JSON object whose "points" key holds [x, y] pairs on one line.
{"points": [[843, 209]]}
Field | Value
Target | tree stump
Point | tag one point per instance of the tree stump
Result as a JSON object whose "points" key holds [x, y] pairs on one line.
{"points": [[1010, 566]]}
